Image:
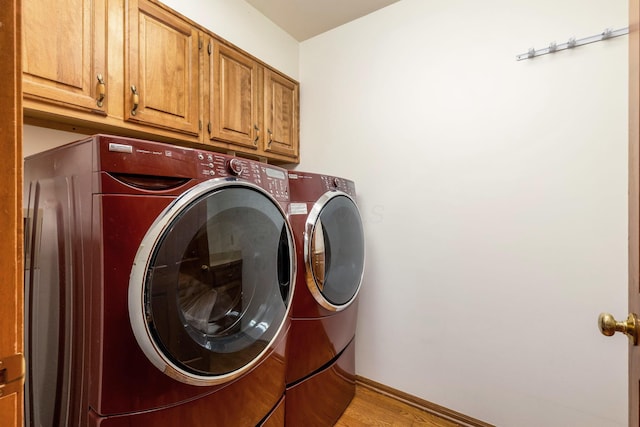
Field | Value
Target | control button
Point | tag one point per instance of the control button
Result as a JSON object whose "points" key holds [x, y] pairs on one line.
{"points": [[336, 182], [235, 166], [200, 156], [210, 157]]}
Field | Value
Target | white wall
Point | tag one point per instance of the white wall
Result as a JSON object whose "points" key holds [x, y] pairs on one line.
{"points": [[494, 196]]}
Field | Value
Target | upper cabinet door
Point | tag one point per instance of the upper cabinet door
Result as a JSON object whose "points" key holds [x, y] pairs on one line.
{"points": [[281, 97], [234, 97], [161, 69], [64, 53]]}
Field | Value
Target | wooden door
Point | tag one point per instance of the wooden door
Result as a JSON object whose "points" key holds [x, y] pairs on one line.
{"points": [[161, 69], [11, 324], [280, 115], [634, 204], [233, 108], [64, 56]]}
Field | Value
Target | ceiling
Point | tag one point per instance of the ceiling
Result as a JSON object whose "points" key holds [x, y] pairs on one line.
{"points": [[303, 19]]}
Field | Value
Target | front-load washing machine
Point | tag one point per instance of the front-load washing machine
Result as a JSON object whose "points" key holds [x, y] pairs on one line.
{"points": [[321, 343], [158, 286]]}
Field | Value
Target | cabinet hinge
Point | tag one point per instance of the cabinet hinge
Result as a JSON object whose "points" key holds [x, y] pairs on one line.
{"points": [[210, 48], [200, 124], [200, 44], [11, 374]]}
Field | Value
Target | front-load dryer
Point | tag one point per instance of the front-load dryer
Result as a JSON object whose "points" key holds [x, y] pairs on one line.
{"points": [[158, 286], [330, 253]]}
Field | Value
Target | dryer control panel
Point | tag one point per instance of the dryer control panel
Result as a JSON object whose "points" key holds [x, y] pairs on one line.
{"points": [[308, 187], [335, 183]]}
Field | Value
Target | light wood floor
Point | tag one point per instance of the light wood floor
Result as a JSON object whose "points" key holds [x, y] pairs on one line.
{"points": [[369, 408]]}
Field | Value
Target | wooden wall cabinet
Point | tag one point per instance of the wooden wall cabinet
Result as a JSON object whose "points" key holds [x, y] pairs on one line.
{"points": [[138, 68], [251, 106], [65, 55], [233, 97], [281, 115], [162, 68]]}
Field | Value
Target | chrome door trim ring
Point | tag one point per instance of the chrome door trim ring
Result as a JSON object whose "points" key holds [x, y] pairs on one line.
{"points": [[312, 219], [136, 301]]}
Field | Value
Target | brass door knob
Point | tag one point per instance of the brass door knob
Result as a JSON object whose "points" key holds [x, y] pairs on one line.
{"points": [[609, 326]]}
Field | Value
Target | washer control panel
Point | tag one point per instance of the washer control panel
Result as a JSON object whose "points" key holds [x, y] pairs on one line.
{"points": [[149, 158], [271, 178]]}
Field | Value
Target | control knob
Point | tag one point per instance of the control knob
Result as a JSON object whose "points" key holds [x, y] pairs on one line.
{"points": [[235, 167]]}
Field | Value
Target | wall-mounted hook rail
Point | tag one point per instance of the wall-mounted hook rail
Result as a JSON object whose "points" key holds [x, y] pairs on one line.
{"points": [[573, 42]]}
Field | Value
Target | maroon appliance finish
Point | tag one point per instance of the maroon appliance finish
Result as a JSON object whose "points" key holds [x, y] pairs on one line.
{"points": [[321, 340], [90, 206], [321, 399]]}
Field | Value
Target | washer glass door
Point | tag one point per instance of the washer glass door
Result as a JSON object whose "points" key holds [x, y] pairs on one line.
{"points": [[334, 250], [209, 290]]}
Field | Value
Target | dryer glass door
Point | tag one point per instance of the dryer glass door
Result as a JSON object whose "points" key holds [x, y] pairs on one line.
{"points": [[210, 289], [334, 250]]}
